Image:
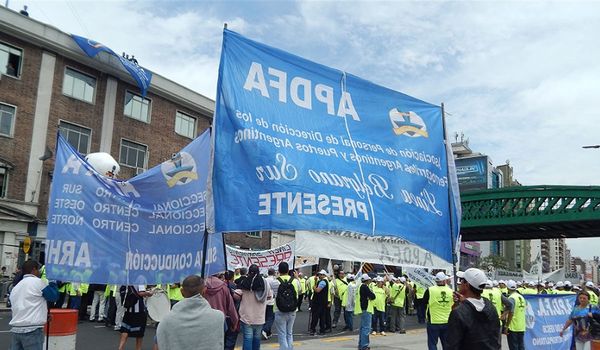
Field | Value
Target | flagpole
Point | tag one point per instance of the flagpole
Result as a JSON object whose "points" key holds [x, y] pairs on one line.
{"points": [[204, 249], [449, 197]]}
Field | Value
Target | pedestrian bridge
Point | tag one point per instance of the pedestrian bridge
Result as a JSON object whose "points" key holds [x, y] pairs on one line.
{"points": [[530, 212]]}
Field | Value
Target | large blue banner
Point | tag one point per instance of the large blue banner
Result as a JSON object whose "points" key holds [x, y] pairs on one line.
{"points": [[546, 316], [147, 230], [302, 146], [141, 76]]}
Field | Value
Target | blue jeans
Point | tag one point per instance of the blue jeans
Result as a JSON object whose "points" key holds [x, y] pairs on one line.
{"points": [[269, 319], [284, 326], [516, 340], [349, 320], [435, 331], [230, 340], [28, 341], [251, 336], [365, 329], [379, 318]]}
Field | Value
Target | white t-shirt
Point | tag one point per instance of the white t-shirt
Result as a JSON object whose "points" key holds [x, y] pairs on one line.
{"points": [[29, 309]]}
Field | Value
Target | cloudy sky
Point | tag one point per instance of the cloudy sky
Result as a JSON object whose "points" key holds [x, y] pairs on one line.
{"points": [[521, 80]]}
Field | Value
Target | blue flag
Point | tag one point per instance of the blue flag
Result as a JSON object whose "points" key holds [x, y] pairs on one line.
{"points": [[301, 146], [139, 74], [147, 230], [546, 315]]}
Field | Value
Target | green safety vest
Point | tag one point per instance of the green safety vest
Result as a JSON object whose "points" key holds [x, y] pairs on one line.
{"points": [[341, 286], [517, 324], [529, 291], [357, 309], [379, 303], [43, 273], [174, 293], [419, 291], [440, 304], [504, 290], [495, 296], [84, 287], [345, 295], [593, 298], [398, 294]]}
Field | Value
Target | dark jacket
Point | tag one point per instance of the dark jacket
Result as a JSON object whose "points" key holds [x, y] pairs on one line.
{"points": [[366, 294], [472, 329]]}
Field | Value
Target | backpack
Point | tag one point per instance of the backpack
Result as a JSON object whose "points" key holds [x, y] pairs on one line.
{"points": [[286, 299]]}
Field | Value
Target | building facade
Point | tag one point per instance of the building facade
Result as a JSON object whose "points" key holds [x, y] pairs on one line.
{"points": [[48, 85]]}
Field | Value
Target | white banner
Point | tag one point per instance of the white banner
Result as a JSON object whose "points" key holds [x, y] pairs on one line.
{"points": [[420, 276], [350, 246], [508, 275], [264, 259]]}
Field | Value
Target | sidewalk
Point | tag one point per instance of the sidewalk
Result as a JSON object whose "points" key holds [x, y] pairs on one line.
{"points": [[3, 307]]}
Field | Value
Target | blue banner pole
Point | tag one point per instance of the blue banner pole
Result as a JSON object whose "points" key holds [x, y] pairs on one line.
{"points": [[204, 252], [450, 206]]}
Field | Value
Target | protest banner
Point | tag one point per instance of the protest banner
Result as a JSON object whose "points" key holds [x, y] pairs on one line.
{"points": [[546, 315], [419, 276], [300, 146], [506, 275], [147, 230], [356, 247], [264, 259]]}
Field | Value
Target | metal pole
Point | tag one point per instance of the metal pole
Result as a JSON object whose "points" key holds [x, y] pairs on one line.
{"points": [[454, 257], [204, 249]]}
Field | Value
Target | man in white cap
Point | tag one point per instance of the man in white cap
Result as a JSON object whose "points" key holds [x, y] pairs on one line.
{"points": [[348, 302], [398, 296], [515, 334], [589, 287], [364, 307], [439, 303], [319, 303], [474, 323]]}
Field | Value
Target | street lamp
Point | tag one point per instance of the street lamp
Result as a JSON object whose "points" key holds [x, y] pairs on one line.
{"points": [[591, 146]]}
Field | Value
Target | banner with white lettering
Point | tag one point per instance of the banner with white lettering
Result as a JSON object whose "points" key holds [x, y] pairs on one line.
{"points": [[350, 246], [546, 315], [420, 276], [264, 259], [147, 230], [301, 146]]}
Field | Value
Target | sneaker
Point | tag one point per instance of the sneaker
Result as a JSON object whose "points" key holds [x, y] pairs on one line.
{"points": [[265, 336], [383, 333], [92, 319], [311, 333], [373, 333], [334, 325]]}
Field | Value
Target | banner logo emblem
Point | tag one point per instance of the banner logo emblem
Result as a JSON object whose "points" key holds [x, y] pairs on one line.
{"points": [[407, 123], [180, 169]]}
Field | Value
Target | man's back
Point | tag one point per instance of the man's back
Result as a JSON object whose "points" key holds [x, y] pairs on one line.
{"points": [[192, 324], [470, 328], [28, 304]]}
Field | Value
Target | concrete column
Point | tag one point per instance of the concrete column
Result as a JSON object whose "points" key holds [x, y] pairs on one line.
{"points": [[108, 118], [40, 127]]}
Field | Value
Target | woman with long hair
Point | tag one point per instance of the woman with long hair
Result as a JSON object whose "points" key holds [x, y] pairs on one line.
{"points": [[581, 318], [254, 292]]}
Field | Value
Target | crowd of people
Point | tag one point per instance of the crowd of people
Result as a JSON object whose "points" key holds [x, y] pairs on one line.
{"points": [[212, 313]]}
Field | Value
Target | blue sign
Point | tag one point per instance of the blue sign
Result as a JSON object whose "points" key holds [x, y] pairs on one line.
{"points": [[546, 315], [139, 74], [300, 146], [472, 173], [147, 230]]}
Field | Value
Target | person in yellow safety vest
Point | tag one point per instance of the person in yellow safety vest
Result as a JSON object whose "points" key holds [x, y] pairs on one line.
{"points": [[568, 288], [364, 306], [473, 323], [109, 294], [399, 292], [301, 281], [420, 304], [312, 282], [502, 287], [439, 301], [340, 285], [348, 302], [379, 305], [236, 273], [529, 289], [521, 287], [590, 288], [174, 293], [515, 333]]}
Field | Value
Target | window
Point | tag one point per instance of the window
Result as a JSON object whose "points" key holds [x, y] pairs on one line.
{"points": [[79, 85], [7, 119], [3, 181], [133, 154], [254, 234], [79, 137], [10, 60], [185, 125], [137, 107]]}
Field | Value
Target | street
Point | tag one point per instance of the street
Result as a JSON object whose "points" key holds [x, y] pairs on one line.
{"points": [[94, 336]]}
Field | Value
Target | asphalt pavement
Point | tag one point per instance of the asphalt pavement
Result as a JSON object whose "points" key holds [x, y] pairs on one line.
{"points": [[94, 336]]}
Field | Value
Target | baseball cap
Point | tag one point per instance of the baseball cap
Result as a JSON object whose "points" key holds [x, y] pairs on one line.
{"points": [[379, 279], [350, 277], [589, 284], [560, 284], [512, 285], [489, 284], [502, 282], [476, 278], [440, 276], [322, 272], [495, 283], [568, 284], [365, 277], [402, 279]]}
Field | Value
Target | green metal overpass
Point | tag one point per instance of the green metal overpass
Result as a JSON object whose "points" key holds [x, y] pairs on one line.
{"points": [[530, 212]]}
